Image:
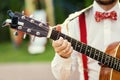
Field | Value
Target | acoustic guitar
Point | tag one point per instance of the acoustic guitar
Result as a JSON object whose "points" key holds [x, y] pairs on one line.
{"points": [[110, 59]]}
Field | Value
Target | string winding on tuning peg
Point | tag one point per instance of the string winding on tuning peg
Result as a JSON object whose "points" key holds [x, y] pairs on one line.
{"points": [[15, 33]]}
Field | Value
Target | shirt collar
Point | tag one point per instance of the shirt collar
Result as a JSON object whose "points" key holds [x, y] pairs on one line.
{"points": [[96, 7]]}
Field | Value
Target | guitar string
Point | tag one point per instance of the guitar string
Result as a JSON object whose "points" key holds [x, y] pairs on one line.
{"points": [[46, 28]]}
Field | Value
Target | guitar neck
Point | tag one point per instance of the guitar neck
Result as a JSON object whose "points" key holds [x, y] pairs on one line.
{"points": [[89, 51]]}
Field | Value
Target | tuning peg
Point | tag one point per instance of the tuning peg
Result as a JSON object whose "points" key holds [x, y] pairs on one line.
{"points": [[24, 36], [28, 30], [32, 21], [5, 24], [15, 33], [37, 33], [31, 16], [19, 27]]}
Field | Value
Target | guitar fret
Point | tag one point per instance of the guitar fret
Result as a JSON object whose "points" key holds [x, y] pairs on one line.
{"points": [[98, 56], [76, 45], [114, 63], [88, 50], [117, 63], [92, 53], [102, 58], [119, 66], [81, 48], [111, 62], [58, 36], [108, 60]]}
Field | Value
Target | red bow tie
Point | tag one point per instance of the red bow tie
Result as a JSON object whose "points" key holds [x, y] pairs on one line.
{"points": [[100, 16]]}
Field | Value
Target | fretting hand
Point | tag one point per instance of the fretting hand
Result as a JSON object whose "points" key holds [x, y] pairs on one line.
{"points": [[62, 47]]}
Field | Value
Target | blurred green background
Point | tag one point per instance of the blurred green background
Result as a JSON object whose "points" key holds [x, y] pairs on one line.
{"points": [[9, 53]]}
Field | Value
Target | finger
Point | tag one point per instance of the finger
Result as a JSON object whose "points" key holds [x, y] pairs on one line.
{"points": [[63, 46], [67, 51], [66, 48], [68, 54], [58, 42]]}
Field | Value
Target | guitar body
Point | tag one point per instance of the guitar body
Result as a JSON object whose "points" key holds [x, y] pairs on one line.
{"points": [[107, 73]]}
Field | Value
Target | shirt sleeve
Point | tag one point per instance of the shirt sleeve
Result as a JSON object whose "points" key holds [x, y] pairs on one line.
{"points": [[63, 68]]}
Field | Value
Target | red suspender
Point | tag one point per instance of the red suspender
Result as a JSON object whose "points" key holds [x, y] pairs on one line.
{"points": [[83, 38]]}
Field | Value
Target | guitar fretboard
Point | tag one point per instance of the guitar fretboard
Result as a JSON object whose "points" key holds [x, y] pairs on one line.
{"points": [[89, 51]]}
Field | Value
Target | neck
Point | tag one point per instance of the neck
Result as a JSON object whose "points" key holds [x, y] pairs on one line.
{"points": [[108, 7]]}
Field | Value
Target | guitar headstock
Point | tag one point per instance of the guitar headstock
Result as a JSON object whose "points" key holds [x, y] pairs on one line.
{"points": [[27, 25]]}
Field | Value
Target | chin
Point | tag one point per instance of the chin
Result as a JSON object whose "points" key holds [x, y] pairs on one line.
{"points": [[105, 2]]}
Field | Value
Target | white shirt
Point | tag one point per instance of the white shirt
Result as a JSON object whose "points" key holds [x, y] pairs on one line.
{"points": [[99, 35]]}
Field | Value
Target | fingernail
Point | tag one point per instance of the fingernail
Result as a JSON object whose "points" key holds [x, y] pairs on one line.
{"points": [[61, 38]]}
